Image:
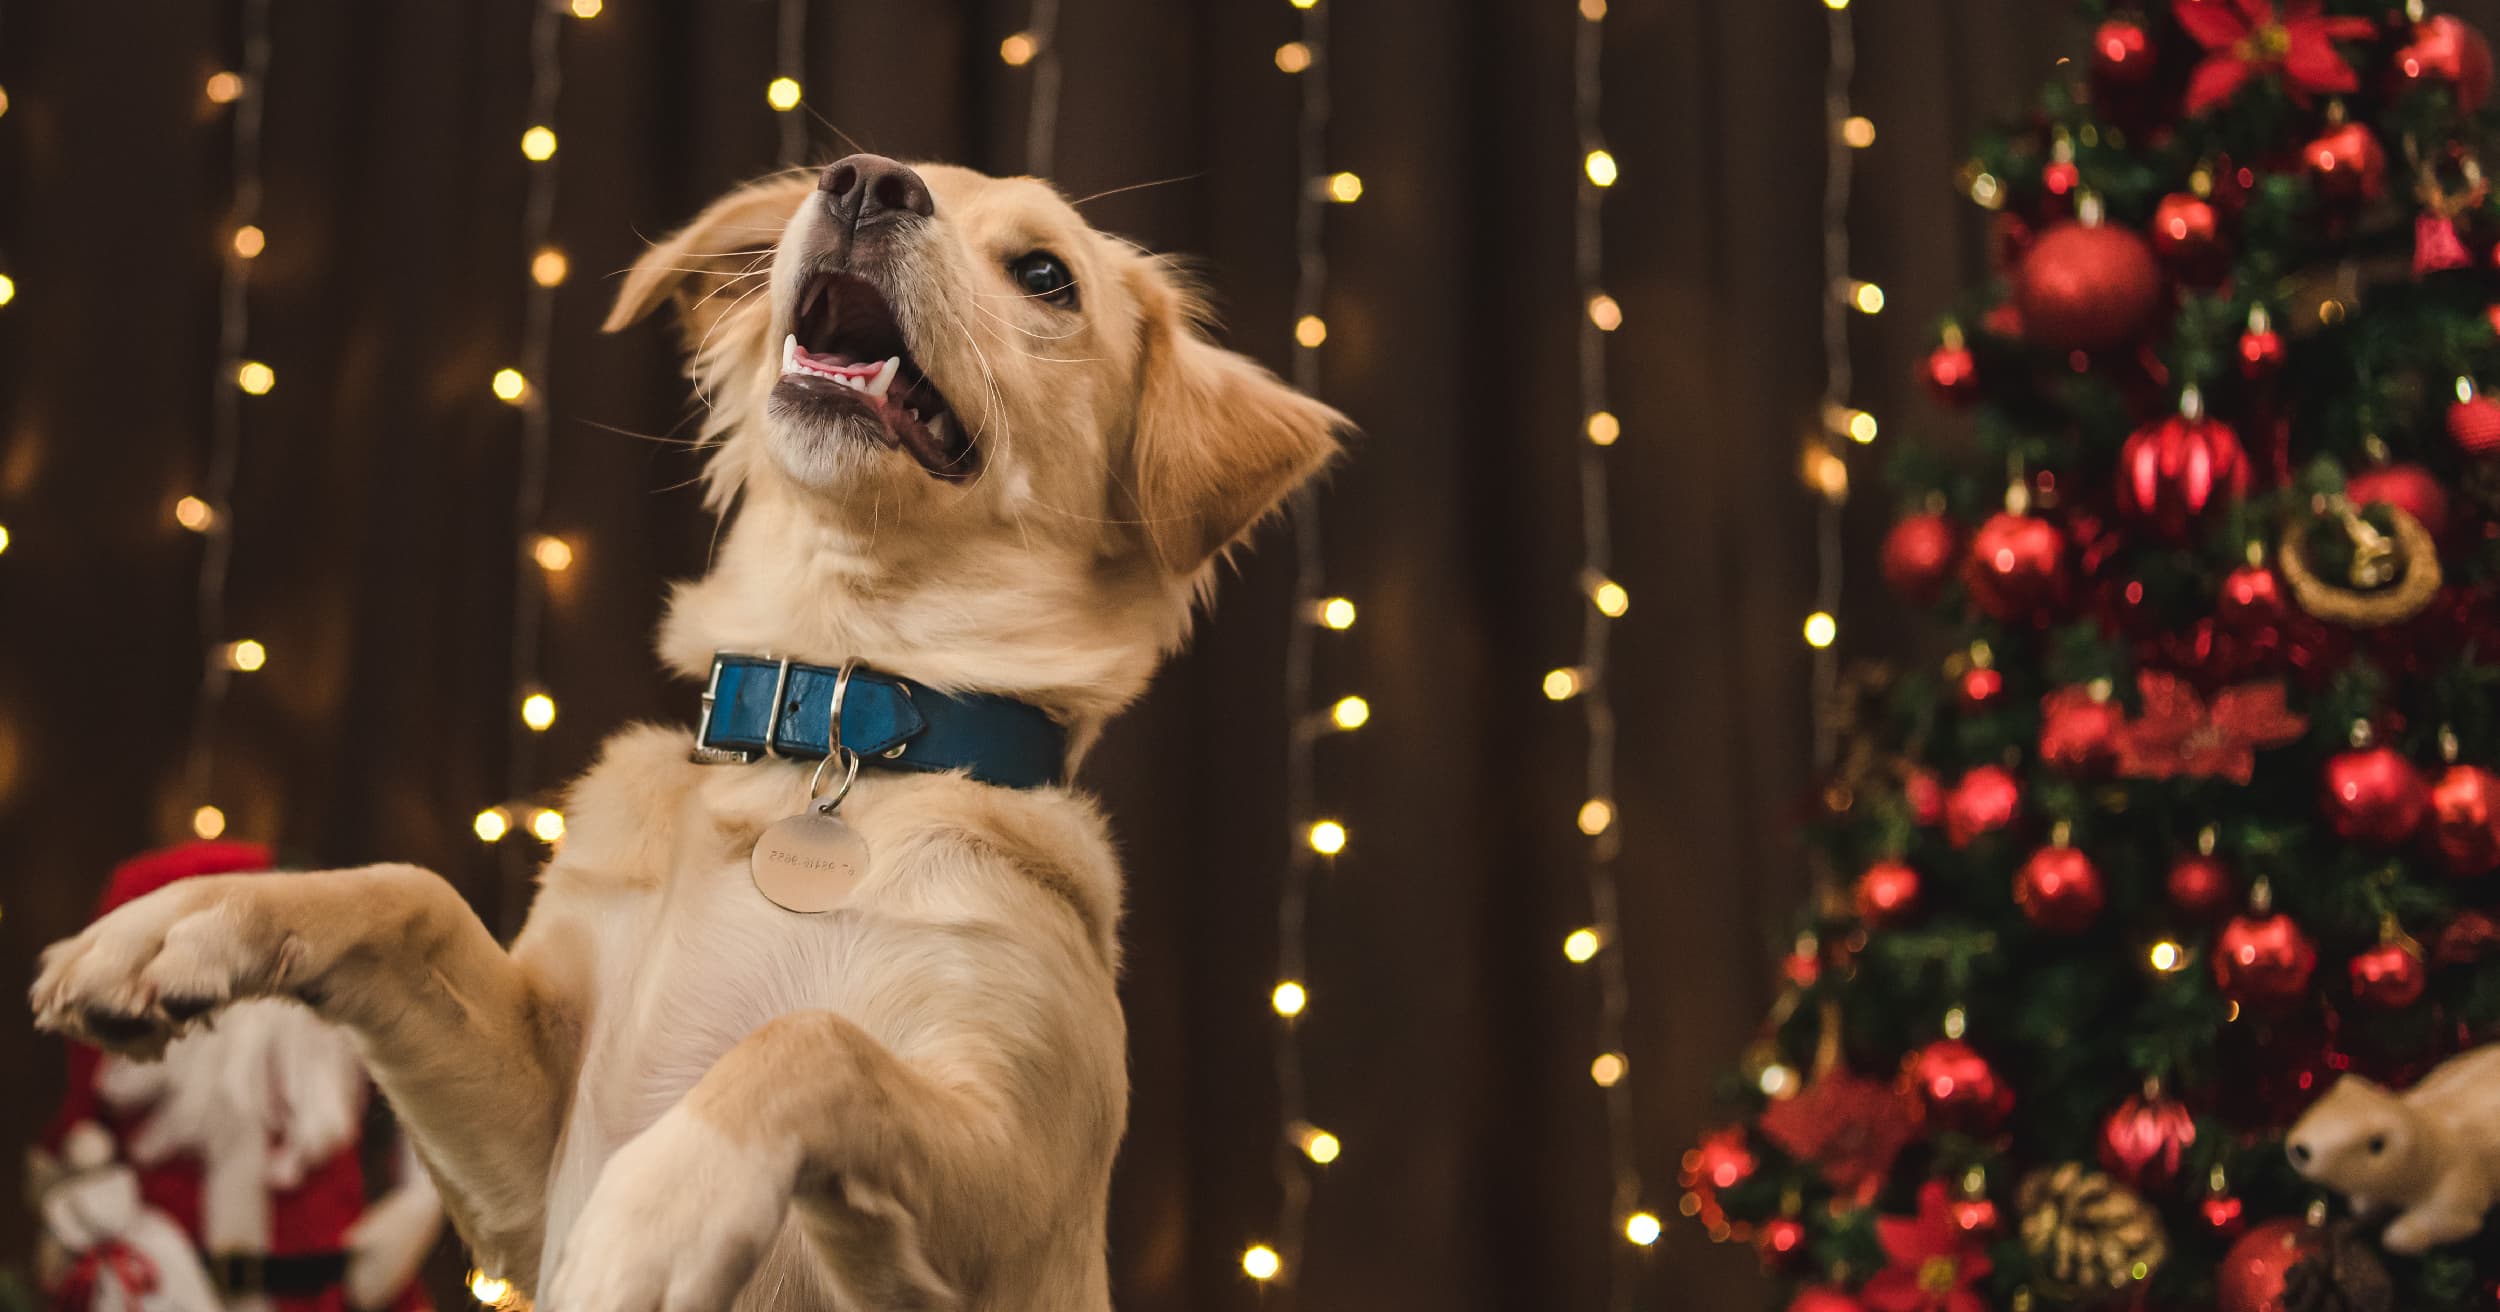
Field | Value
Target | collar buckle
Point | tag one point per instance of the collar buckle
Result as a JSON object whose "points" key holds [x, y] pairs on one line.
{"points": [[704, 753]]}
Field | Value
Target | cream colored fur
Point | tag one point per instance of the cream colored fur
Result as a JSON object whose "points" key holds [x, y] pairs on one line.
{"points": [[2428, 1157], [669, 1094]]}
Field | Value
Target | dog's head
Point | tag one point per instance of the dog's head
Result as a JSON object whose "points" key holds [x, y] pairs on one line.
{"points": [[934, 355]]}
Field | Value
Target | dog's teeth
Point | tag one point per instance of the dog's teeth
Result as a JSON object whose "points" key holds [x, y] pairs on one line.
{"points": [[790, 354], [885, 376]]}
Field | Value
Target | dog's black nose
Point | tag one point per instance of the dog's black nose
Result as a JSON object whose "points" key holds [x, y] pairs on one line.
{"points": [[2300, 1154], [866, 188]]}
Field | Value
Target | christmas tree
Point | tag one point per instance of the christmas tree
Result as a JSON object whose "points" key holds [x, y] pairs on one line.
{"points": [[2197, 819]]}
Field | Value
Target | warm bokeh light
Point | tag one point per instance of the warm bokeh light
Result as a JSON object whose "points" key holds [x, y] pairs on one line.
{"points": [[1858, 130], [553, 554], [224, 88], [587, 8], [782, 93], [1562, 685], [548, 824], [1821, 628], [1867, 297], [1344, 188], [208, 822], [255, 378], [1327, 837], [1310, 330], [539, 143], [510, 387], [1861, 427], [1605, 313], [1641, 1228], [2168, 957], [549, 267], [246, 655], [1609, 598], [8, 289], [1603, 428], [486, 1289], [4, 539], [1350, 713], [1318, 1144], [1289, 999], [492, 824], [1259, 1260], [1593, 10], [1600, 166], [1580, 945], [1597, 815], [250, 241], [538, 711], [194, 514], [1336, 613], [1293, 57], [1018, 50], [1607, 1070]]}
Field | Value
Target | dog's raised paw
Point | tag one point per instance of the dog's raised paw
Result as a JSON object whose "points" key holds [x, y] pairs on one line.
{"points": [[148, 970], [678, 1222]]}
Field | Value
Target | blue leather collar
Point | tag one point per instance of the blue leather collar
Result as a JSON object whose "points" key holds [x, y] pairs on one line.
{"points": [[758, 706]]}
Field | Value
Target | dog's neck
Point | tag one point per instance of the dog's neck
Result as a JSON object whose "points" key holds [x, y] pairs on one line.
{"points": [[1048, 621]]}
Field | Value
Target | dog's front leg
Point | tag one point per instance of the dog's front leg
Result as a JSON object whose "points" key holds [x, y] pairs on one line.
{"points": [[808, 1112], [464, 1041]]}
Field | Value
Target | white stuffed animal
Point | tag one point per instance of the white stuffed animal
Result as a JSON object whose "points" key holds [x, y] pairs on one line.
{"points": [[2431, 1153]]}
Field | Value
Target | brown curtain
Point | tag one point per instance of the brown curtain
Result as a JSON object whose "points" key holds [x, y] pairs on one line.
{"points": [[1448, 1040]]}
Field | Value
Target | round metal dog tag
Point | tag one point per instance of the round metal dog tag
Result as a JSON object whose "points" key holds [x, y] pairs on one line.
{"points": [[809, 863]]}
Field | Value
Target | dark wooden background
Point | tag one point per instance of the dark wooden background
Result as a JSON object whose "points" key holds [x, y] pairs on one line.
{"points": [[1448, 1039]]}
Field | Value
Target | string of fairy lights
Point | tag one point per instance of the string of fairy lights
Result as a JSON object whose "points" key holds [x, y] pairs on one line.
{"points": [[1826, 466], [209, 512], [1315, 838], [1599, 943]]}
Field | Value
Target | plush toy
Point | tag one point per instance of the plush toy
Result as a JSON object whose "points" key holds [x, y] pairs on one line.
{"points": [[2431, 1154], [225, 1177]]}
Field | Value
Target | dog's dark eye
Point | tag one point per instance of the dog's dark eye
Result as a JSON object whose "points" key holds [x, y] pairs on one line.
{"points": [[2378, 1144], [1041, 276]]}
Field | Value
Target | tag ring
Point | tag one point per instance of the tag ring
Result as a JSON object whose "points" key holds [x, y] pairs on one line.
{"points": [[833, 742]]}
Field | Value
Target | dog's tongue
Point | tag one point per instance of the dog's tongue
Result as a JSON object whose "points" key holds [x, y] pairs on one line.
{"points": [[873, 378]]}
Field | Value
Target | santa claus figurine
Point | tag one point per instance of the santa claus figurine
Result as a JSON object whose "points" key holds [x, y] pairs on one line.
{"points": [[226, 1177]]}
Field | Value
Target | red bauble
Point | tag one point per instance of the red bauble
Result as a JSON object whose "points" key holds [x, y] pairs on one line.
{"points": [[1952, 373], [2263, 959], [1918, 556], [2347, 164], [1982, 802], [2251, 1276], [2078, 732], [2390, 976], [2121, 54], [2060, 890], [1783, 1242], [2201, 886], [1887, 893], [2375, 795], [1959, 1087], [1981, 687], [2061, 177], [1976, 1216], [2448, 49], [2409, 488], [2224, 1212], [2016, 568], [2465, 820], [2173, 470], [2252, 600], [2188, 237], [1825, 1298], [2088, 288], [2474, 425], [2144, 1141], [2261, 352]]}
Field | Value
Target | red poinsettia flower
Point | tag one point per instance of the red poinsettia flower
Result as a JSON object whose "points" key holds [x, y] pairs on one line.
{"points": [[2179, 734], [2243, 38], [1934, 1261], [1849, 1127]]}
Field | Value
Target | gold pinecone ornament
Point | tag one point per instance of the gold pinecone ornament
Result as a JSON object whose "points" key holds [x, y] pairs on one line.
{"points": [[2089, 1236]]}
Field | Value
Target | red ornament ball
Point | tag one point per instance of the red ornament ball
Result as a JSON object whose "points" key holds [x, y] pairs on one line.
{"points": [[2474, 425], [2448, 49], [2409, 488], [1923, 793], [2172, 471], [1959, 1087], [2078, 732], [2224, 1212], [2088, 288], [2201, 886], [2121, 54], [2389, 976], [2465, 820], [2187, 235], [1783, 1242], [1918, 556], [2144, 1141], [1887, 893], [2251, 1276], [2263, 959], [1825, 1298], [2060, 890], [2347, 164], [2016, 568], [1952, 374], [1982, 802], [2375, 795], [2252, 600], [1981, 688], [2261, 352]]}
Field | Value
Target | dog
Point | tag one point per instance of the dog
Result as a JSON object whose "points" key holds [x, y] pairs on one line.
{"points": [[977, 451]]}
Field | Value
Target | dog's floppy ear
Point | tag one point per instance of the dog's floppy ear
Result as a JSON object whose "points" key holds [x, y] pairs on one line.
{"points": [[731, 240], [1220, 441]]}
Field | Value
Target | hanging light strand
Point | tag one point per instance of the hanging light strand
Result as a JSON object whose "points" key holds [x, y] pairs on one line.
{"points": [[790, 81], [1039, 46], [1605, 602], [1842, 296], [237, 377], [1301, 1147]]}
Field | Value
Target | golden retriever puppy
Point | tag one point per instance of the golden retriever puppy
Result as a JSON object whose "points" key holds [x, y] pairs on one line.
{"points": [[772, 1037]]}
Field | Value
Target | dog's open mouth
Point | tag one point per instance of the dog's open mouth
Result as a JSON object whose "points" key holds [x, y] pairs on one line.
{"points": [[844, 355]]}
